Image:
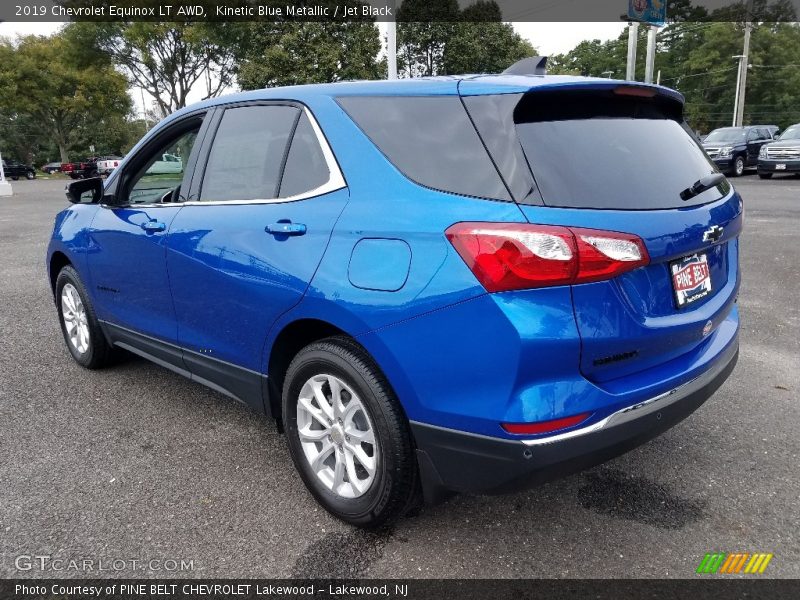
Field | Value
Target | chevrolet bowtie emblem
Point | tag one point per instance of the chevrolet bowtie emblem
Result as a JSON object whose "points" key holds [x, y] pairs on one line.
{"points": [[713, 234]]}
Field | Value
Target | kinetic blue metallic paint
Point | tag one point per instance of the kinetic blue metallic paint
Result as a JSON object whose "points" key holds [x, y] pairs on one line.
{"points": [[231, 279], [456, 356], [71, 237], [128, 263], [379, 264]]}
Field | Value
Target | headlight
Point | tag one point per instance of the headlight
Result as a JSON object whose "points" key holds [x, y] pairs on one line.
{"points": [[725, 150], [763, 152]]}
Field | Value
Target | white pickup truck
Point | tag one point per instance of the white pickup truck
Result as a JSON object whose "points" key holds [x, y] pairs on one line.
{"points": [[107, 164]]}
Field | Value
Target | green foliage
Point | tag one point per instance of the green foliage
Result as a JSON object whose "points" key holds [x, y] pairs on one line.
{"points": [[291, 53], [49, 100], [484, 47], [434, 37], [166, 59]]}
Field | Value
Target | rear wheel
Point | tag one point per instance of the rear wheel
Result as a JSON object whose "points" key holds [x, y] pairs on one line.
{"points": [[765, 175], [82, 333], [347, 434]]}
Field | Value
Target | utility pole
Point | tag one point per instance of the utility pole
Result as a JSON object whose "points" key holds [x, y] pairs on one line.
{"points": [[633, 38], [744, 63], [144, 111], [650, 58], [391, 50], [391, 42], [738, 85]]}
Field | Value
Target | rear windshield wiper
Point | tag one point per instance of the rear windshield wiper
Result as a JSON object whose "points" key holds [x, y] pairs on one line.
{"points": [[701, 185]]}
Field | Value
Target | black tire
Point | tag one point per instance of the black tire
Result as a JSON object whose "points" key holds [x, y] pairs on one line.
{"points": [[765, 175], [394, 489], [30, 175], [99, 353], [737, 169], [15, 177]]}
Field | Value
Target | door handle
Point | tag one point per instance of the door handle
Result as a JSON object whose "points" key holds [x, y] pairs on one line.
{"points": [[153, 226], [285, 228]]}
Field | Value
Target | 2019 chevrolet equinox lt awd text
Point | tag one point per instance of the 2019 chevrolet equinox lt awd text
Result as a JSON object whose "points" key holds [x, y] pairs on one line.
{"points": [[456, 284]]}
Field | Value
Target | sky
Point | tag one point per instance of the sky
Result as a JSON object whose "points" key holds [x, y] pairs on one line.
{"points": [[547, 38]]}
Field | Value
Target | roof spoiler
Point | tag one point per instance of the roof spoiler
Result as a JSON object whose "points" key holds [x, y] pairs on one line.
{"points": [[533, 65]]}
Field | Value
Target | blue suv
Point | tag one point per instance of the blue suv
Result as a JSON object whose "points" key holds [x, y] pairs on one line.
{"points": [[456, 284]]}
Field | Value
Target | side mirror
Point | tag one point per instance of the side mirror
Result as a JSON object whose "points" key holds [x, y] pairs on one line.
{"points": [[85, 191]]}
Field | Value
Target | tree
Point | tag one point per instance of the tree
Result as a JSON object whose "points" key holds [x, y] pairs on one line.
{"points": [[165, 59], [484, 47], [48, 97], [291, 53], [423, 30], [436, 38]]}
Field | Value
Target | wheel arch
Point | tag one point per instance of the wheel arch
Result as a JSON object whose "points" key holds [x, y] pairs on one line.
{"points": [[293, 337], [58, 260]]}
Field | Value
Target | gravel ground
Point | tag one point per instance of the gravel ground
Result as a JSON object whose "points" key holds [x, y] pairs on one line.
{"points": [[138, 463]]}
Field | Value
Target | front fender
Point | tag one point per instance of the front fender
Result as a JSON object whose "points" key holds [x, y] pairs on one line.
{"points": [[72, 237]]}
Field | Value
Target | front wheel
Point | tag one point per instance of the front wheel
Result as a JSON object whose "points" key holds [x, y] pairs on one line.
{"points": [[82, 333], [738, 166], [347, 434], [30, 175]]}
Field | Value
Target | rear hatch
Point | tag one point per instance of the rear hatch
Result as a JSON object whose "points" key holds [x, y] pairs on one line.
{"points": [[616, 157]]}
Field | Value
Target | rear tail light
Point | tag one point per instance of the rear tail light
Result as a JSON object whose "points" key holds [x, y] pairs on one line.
{"points": [[515, 256], [545, 426]]}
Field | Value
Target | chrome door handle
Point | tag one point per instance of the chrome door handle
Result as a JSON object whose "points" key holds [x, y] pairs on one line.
{"points": [[153, 226], [285, 228]]}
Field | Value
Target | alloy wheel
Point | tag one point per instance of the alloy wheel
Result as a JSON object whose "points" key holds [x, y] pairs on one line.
{"points": [[337, 436], [75, 318]]}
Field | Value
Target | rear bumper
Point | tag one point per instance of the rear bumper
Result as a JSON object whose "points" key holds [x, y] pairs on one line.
{"points": [[456, 461]]}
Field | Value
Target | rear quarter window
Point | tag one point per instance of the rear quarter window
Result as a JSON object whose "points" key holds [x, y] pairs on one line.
{"points": [[596, 149], [431, 140]]}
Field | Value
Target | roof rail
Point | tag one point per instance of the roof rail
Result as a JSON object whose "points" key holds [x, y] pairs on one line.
{"points": [[533, 65]]}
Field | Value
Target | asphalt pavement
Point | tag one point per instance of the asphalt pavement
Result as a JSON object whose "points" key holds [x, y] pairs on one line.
{"points": [[136, 464]]}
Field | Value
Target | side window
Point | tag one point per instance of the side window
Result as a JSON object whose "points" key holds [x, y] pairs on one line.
{"points": [[160, 178], [306, 168], [248, 152], [753, 135], [430, 139]]}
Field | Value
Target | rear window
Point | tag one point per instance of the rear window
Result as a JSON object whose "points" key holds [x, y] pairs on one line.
{"points": [[431, 140], [589, 149]]}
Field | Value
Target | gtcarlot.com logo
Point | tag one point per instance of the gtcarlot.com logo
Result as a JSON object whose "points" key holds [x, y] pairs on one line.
{"points": [[735, 562], [45, 562]]}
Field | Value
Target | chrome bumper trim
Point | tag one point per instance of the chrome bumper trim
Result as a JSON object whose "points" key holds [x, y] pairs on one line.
{"points": [[630, 413]]}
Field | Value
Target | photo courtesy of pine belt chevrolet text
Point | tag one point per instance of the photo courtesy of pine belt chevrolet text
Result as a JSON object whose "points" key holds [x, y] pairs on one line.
{"points": [[460, 284]]}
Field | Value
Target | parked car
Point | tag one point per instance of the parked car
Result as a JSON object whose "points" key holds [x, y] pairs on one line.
{"points": [[53, 167], [106, 164], [86, 168], [376, 266], [782, 155], [734, 149], [14, 170]]}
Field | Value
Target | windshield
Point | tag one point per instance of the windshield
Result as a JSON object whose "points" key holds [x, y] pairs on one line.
{"points": [[793, 133], [728, 134]]}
